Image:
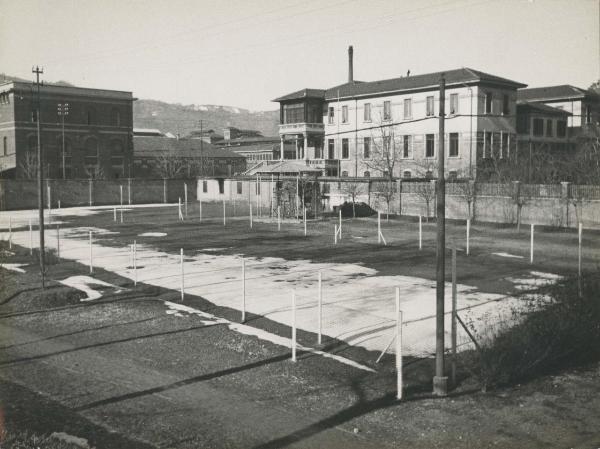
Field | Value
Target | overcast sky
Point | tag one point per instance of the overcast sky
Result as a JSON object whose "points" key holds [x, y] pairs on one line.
{"points": [[245, 53]]}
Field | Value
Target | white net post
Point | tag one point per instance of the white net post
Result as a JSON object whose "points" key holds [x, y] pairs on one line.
{"points": [[378, 227], [453, 323], [121, 196], [200, 210], [340, 226], [58, 240], [243, 290], [320, 309], [224, 214], [250, 215], [185, 196], [135, 263], [10, 232], [129, 191], [121, 211], [399, 380], [91, 255], [30, 238], [58, 204], [179, 208], [49, 189], [293, 326], [279, 218], [579, 238], [468, 235], [531, 243], [335, 234], [182, 274], [115, 214], [305, 222], [420, 232]]}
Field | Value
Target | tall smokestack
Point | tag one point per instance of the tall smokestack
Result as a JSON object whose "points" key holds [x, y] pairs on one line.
{"points": [[350, 64]]}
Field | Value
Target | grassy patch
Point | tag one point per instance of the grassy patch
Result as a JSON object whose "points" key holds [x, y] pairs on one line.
{"points": [[557, 328]]}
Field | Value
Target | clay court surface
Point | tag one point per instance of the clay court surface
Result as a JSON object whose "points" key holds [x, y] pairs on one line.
{"points": [[156, 369]]}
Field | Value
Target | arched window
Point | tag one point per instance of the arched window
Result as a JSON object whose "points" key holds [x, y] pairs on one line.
{"points": [[344, 174], [367, 174], [407, 174], [429, 174], [116, 158]]}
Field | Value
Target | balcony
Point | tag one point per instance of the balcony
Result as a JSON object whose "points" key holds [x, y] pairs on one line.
{"points": [[302, 128]]}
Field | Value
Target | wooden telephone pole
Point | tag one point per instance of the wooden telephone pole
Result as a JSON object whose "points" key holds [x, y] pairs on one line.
{"points": [[440, 381], [40, 168]]}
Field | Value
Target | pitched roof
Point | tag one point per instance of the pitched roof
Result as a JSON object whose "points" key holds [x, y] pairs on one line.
{"points": [[288, 167], [540, 107], [406, 83], [548, 93], [417, 82], [151, 146], [303, 93], [240, 141]]}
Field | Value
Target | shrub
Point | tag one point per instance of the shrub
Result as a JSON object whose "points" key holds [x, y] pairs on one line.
{"points": [[554, 329], [362, 210]]}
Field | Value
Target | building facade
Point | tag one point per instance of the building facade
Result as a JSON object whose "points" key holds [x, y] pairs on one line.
{"points": [[390, 127], [85, 133]]}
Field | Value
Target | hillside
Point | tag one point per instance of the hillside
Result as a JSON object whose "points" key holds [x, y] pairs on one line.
{"points": [[182, 119]]}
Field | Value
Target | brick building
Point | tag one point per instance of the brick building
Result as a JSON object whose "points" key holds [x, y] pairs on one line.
{"points": [[98, 131]]}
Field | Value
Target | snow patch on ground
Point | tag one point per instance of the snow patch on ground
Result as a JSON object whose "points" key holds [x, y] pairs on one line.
{"points": [[14, 267], [536, 279], [211, 320], [83, 283], [152, 234], [508, 255]]}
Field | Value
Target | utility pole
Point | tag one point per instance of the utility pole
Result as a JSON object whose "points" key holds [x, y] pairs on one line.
{"points": [[63, 110], [440, 381], [38, 72]]}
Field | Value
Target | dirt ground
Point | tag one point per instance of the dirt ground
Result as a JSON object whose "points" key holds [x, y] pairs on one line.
{"points": [[125, 367]]}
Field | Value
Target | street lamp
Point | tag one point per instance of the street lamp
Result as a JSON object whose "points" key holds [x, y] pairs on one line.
{"points": [[63, 111]]}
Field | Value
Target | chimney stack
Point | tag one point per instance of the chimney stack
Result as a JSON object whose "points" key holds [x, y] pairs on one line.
{"points": [[350, 65]]}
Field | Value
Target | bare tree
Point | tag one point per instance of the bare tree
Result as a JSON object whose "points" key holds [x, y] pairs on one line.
{"points": [[29, 165], [385, 151], [352, 188], [168, 165], [94, 171]]}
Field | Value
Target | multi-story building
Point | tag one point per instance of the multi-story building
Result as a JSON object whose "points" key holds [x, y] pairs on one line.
{"points": [[97, 130], [542, 128], [583, 105], [391, 126]]}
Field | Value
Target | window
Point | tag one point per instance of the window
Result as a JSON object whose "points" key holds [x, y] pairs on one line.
{"points": [[344, 174], [588, 114], [293, 113], [366, 147], [452, 174], [406, 174], [453, 150], [429, 174], [505, 104], [407, 108], [345, 149], [221, 186], [429, 145], [387, 110], [549, 128], [561, 129], [538, 127], [522, 124], [487, 144], [488, 103], [367, 112], [239, 187], [406, 147], [344, 114], [204, 186], [91, 152], [89, 116], [504, 146], [116, 117], [331, 115], [5, 146], [331, 149], [367, 174], [453, 103], [429, 106]]}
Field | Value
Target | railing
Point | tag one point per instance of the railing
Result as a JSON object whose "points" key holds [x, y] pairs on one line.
{"points": [[301, 127]]}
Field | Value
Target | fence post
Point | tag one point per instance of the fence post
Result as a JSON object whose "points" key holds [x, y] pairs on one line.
{"points": [[30, 239], [129, 191], [115, 214], [165, 190], [279, 218], [531, 244], [91, 255], [49, 194], [378, 227], [293, 326], [57, 240], [420, 232], [135, 263], [320, 308], [340, 227], [399, 380], [90, 191], [453, 325], [10, 232], [182, 273], [243, 290], [335, 234], [179, 209], [185, 198], [250, 215], [468, 234], [305, 222]]}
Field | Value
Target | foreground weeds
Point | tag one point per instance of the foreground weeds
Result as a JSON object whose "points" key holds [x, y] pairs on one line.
{"points": [[556, 328]]}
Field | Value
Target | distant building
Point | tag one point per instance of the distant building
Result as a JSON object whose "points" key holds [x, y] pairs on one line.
{"points": [[344, 129], [542, 128], [209, 135], [98, 131], [155, 157], [583, 105], [232, 133]]}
